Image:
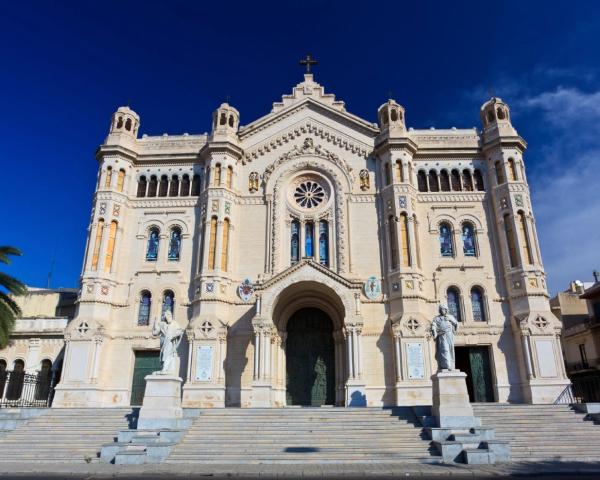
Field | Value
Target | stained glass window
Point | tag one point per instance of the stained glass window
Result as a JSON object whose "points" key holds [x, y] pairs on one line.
{"points": [[168, 301], [295, 241], [477, 304], [446, 249], [153, 241], [468, 237], [144, 312], [308, 240], [175, 244], [323, 243], [453, 298]]}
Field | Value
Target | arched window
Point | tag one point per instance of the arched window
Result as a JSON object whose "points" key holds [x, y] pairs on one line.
{"points": [[195, 185], [490, 116], [477, 304], [142, 184], [185, 185], [324, 243], [164, 186], [453, 298], [510, 240], [120, 122], [108, 178], [16, 381], [212, 244], [231, 121], [417, 245], [168, 302], [499, 172], [97, 243], [223, 120], [388, 175], [145, 307], [120, 180], [128, 124], [110, 248], [512, 170], [217, 174], [229, 177], [393, 239], [399, 171], [467, 180], [3, 375], [455, 179], [405, 241], [295, 241], [225, 245], [446, 246], [445, 181], [500, 113], [525, 245], [434, 186], [468, 238], [478, 180], [174, 187], [44, 378], [308, 239], [422, 181], [174, 244], [152, 186], [153, 242]]}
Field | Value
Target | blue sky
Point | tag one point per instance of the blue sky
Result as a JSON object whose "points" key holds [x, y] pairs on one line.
{"points": [[66, 66]]}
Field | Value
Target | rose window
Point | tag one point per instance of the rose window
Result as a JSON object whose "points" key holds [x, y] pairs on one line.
{"points": [[309, 194]]}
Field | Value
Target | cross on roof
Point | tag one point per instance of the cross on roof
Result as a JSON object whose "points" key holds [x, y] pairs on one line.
{"points": [[308, 62]]}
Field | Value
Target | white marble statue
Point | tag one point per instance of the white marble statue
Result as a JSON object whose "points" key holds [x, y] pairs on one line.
{"points": [[170, 337], [443, 328]]}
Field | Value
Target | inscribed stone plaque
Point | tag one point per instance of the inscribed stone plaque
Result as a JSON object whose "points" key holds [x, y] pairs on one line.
{"points": [[78, 361], [545, 358], [414, 360], [204, 361]]}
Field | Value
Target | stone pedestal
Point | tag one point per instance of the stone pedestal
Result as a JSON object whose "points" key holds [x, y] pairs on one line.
{"points": [[162, 402], [451, 407], [356, 395], [261, 394]]}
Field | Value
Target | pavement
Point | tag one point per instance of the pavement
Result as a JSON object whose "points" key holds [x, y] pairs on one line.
{"points": [[99, 471]]}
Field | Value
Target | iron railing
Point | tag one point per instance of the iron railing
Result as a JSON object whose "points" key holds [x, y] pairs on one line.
{"points": [[20, 389], [581, 390]]}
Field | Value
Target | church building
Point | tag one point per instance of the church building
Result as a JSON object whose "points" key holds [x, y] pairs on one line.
{"points": [[305, 254]]}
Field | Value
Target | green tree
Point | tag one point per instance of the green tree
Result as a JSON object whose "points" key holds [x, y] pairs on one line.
{"points": [[9, 310]]}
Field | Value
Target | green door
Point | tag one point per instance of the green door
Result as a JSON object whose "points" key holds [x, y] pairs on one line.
{"points": [[310, 359], [146, 362], [481, 374]]}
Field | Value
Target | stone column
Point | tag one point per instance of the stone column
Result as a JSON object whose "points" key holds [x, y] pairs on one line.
{"points": [[355, 387], [262, 386]]}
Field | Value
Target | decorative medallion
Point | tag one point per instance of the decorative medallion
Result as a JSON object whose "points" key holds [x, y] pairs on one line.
{"points": [[402, 201], [519, 200], [412, 324], [365, 182], [83, 328], [309, 194], [533, 282], [228, 208], [214, 206], [206, 328], [116, 210], [395, 286], [102, 209], [90, 288], [540, 322], [246, 290], [104, 290], [372, 288], [210, 287], [410, 284], [253, 180]]}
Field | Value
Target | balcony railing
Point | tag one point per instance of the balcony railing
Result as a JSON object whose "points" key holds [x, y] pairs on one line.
{"points": [[20, 389]]}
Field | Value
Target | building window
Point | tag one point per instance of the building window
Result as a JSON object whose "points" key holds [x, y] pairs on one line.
{"points": [[405, 241], [120, 180], [308, 239], [468, 238], [295, 241], [510, 240], [422, 181], [393, 239], [195, 185], [324, 243], [174, 187], [110, 248], [499, 172], [145, 306], [97, 243], [399, 172], [467, 180], [446, 247], [477, 304], [163, 188], [225, 245], [583, 355], [185, 185], [434, 186], [455, 180], [142, 184], [445, 181], [525, 239], [512, 170], [453, 297], [153, 242], [229, 178], [212, 244], [152, 186], [168, 302], [478, 180], [174, 244], [417, 248], [217, 177], [108, 179], [309, 194]]}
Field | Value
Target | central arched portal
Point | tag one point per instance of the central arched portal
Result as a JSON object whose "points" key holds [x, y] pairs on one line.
{"points": [[310, 359]]}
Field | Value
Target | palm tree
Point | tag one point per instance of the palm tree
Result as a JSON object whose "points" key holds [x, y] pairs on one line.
{"points": [[9, 310]]}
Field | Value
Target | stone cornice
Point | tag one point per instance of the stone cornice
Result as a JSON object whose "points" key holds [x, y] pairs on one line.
{"points": [[451, 197], [104, 150], [503, 142], [165, 202]]}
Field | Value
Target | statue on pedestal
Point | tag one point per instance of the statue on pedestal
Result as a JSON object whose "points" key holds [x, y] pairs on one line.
{"points": [[171, 334], [443, 328]]}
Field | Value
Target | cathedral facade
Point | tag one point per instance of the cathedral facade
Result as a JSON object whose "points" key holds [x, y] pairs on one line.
{"points": [[305, 255]]}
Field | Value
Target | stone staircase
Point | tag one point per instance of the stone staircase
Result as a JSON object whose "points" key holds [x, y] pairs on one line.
{"points": [[64, 435], [542, 432], [304, 435]]}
